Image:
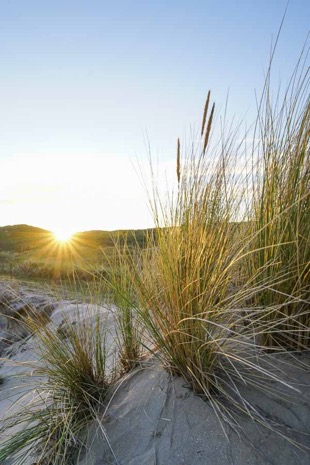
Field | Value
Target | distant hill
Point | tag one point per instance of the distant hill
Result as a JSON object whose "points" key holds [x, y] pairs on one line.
{"points": [[107, 238], [23, 238]]}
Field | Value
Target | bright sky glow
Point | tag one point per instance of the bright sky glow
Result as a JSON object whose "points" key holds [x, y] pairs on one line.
{"points": [[84, 85]]}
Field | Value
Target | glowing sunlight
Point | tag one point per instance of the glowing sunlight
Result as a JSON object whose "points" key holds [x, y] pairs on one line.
{"points": [[62, 235]]}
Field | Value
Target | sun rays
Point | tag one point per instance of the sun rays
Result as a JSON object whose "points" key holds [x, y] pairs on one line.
{"points": [[62, 251]]}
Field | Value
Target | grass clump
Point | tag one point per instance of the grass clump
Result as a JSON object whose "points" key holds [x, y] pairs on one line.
{"points": [[71, 381], [280, 217], [182, 280], [196, 295]]}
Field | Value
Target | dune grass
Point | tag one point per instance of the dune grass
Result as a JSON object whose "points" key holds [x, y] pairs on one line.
{"points": [[182, 284], [280, 217], [71, 381], [227, 272]]}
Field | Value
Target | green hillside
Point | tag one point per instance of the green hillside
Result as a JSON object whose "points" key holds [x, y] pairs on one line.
{"points": [[21, 237], [31, 252]]}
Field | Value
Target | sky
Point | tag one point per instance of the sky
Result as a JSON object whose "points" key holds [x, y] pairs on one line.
{"points": [[88, 88]]}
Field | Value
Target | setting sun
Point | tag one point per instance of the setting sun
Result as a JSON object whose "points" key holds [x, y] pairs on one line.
{"points": [[63, 235]]}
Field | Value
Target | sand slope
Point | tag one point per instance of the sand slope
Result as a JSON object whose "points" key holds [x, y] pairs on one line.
{"points": [[154, 418]]}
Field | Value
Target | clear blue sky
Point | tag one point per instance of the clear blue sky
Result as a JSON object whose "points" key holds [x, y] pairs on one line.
{"points": [[81, 82]]}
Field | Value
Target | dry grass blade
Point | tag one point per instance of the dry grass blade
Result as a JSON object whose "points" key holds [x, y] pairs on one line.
{"points": [[205, 112], [208, 130], [178, 161]]}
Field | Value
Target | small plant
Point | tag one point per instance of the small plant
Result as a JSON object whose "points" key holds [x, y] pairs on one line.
{"points": [[71, 383], [118, 282]]}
